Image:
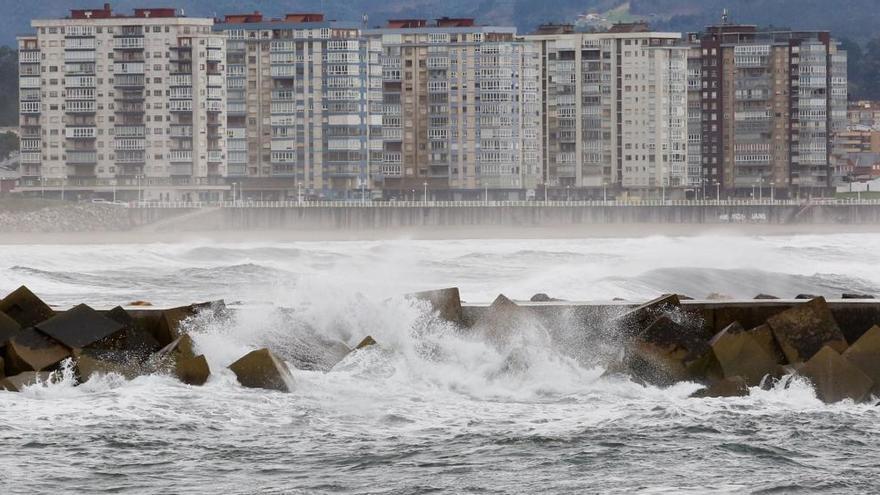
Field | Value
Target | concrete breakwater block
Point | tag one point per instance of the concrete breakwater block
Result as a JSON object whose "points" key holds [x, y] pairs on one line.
{"points": [[741, 355], [18, 382], [834, 377], [25, 308], [804, 329], [80, 327], [667, 352], [263, 369], [31, 350], [445, 302]]}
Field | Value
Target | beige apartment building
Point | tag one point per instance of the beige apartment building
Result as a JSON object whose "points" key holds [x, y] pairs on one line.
{"points": [[304, 107], [615, 111], [461, 111], [123, 107]]}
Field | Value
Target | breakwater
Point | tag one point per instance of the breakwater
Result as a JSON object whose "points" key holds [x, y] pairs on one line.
{"points": [[729, 347], [280, 215]]}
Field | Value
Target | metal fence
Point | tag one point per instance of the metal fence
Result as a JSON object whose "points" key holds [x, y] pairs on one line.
{"points": [[498, 204]]}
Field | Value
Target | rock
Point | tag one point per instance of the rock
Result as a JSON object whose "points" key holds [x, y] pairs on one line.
{"points": [[192, 371], [18, 382], [81, 327], [835, 378], [24, 307], [865, 355], [446, 302], [740, 355], [763, 335], [682, 297], [765, 296], [805, 296], [714, 296], [541, 297], [636, 319], [30, 350], [8, 328], [667, 352], [137, 337], [262, 369], [850, 295], [139, 303], [802, 330], [734, 386], [367, 342]]}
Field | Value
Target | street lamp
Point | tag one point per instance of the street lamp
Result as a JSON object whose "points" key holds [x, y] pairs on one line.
{"points": [[299, 195], [62, 188], [425, 197], [717, 191], [568, 193], [42, 188], [233, 192], [772, 196], [604, 191]]}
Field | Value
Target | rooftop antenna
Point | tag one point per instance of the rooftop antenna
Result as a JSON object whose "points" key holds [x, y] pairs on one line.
{"points": [[725, 17]]}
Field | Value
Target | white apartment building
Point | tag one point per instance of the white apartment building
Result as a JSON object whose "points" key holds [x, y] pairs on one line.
{"points": [[123, 106], [305, 107], [461, 111], [615, 111]]}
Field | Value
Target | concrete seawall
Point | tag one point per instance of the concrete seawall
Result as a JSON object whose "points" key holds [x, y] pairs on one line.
{"points": [[352, 217]]}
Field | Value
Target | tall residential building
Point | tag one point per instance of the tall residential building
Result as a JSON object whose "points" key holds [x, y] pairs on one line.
{"points": [[771, 101], [305, 103], [461, 110], [124, 106], [615, 110]]}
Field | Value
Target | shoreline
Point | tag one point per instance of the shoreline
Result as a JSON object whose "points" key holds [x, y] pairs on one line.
{"points": [[475, 232]]}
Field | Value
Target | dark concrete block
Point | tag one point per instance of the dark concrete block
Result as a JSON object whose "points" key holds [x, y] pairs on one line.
{"points": [[765, 296], [192, 370], [18, 382], [26, 308], [262, 369], [835, 378], [367, 342], [740, 355], [851, 295], [865, 355], [31, 350], [668, 352], [805, 328], [734, 386], [81, 327], [638, 318], [8, 328], [446, 302]]}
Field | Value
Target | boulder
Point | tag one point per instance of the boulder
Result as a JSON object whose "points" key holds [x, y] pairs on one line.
{"points": [[25, 308], [367, 342], [30, 350], [865, 355], [8, 329], [140, 303], [805, 296], [765, 296], [805, 328], [715, 296], [314, 352], [668, 352], [18, 382], [835, 378], [446, 302], [638, 318], [262, 369], [80, 327], [740, 355], [734, 386], [192, 370], [852, 295]]}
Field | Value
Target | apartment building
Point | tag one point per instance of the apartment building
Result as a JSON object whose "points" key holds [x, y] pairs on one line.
{"points": [[615, 111], [305, 103], [123, 106], [771, 101], [461, 111]]}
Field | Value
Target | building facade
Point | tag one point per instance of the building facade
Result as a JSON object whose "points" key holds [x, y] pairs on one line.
{"points": [[123, 106], [615, 111], [305, 107], [771, 101], [461, 111]]}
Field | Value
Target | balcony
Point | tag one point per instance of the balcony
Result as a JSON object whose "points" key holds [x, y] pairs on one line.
{"points": [[30, 107], [30, 144], [128, 81], [128, 67], [29, 57], [180, 105], [180, 156], [80, 132], [82, 157], [130, 131], [128, 43], [129, 144], [214, 106], [181, 131], [29, 82], [30, 157], [130, 156], [215, 155]]}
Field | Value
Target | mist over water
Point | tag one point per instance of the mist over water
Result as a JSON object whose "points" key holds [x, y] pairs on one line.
{"points": [[433, 408]]}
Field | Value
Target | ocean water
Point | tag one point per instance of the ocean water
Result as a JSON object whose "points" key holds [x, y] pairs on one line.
{"points": [[432, 409]]}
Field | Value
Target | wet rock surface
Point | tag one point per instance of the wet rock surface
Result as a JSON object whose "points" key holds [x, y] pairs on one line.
{"points": [[263, 369]]}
